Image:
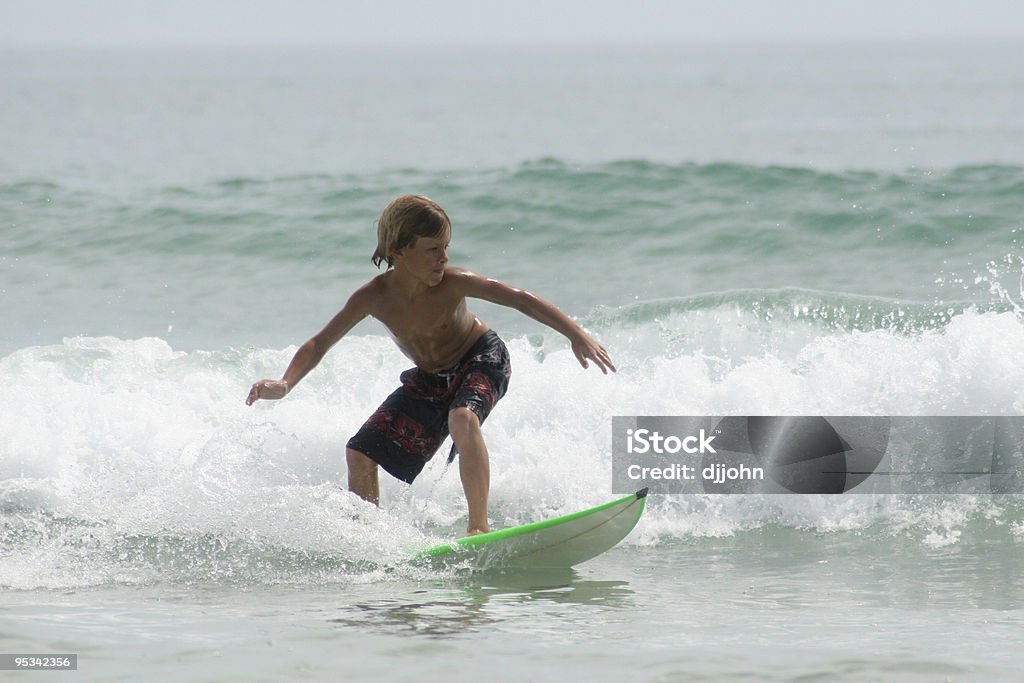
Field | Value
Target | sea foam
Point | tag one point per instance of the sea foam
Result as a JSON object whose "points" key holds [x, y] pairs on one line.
{"points": [[128, 461]]}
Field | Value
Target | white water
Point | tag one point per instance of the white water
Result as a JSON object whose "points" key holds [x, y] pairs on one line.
{"points": [[126, 462]]}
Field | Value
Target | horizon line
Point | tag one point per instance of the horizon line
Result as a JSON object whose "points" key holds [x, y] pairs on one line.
{"points": [[730, 41]]}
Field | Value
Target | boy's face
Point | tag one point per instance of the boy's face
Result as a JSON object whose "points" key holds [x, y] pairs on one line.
{"points": [[426, 258]]}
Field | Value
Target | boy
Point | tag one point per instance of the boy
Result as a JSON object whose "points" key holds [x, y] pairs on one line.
{"points": [[462, 367]]}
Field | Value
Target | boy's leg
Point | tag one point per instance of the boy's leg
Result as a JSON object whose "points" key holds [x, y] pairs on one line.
{"points": [[362, 476], [474, 465]]}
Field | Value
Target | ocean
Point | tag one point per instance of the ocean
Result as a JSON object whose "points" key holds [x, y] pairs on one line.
{"points": [[814, 229]]}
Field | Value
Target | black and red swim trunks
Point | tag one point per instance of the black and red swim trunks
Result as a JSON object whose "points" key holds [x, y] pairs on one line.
{"points": [[408, 428]]}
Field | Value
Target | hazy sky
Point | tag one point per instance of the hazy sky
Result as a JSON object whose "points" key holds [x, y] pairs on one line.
{"points": [[448, 22]]}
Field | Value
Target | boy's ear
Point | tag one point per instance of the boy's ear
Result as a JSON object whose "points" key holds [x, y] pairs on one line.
{"points": [[396, 252]]}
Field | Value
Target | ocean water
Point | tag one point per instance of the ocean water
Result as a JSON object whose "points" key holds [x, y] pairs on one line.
{"points": [[749, 229]]}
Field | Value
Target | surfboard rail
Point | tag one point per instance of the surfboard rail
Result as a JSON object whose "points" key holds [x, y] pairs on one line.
{"points": [[562, 541]]}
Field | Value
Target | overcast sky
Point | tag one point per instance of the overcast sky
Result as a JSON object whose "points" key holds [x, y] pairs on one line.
{"points": [[460, 22]]}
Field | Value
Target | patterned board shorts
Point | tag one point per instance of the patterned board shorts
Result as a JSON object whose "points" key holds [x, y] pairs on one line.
{"points": [[409, 427]]}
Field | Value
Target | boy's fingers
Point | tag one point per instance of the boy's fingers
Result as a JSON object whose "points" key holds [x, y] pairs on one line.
{"points": [[598, 354], [604, 360]]}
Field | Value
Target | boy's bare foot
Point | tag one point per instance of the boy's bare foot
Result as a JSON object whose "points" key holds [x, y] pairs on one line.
{"points": [[476, 532]]}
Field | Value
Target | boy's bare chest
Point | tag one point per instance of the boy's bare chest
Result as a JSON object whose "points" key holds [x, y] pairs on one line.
{"points": [[434, 316]]}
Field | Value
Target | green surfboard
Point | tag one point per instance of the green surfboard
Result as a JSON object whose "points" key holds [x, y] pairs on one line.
{"points": [[555, 543]]}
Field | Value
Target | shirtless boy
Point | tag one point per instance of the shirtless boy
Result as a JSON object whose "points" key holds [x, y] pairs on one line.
{"points": [[462, 366]]}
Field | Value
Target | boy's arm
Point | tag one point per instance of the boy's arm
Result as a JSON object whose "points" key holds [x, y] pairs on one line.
{"points": [[312, 352], [583, 345]]}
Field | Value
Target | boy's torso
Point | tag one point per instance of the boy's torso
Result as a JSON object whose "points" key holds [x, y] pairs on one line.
{"points": [[435, 329]]}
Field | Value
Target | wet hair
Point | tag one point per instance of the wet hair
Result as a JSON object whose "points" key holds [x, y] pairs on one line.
{"points": [[403, 221]]}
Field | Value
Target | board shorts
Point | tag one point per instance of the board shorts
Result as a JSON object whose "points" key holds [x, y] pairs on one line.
{"points": [[404, 433]]}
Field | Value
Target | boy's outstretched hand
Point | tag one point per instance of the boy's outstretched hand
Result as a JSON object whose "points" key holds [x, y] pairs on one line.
{"points": [[267, 389], [586, 347]]}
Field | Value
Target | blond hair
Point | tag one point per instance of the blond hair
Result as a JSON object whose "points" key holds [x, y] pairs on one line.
{"points": [[405, 219]]}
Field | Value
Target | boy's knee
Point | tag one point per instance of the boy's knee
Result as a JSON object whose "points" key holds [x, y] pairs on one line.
{"points": [[359, 462], [462, 422], [362, 476]]}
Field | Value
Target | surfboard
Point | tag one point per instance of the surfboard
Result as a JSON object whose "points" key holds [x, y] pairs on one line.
{"points": [[556, 543]]}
